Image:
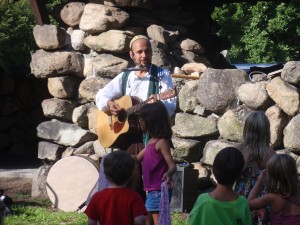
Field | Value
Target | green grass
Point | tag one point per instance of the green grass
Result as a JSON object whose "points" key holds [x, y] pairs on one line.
{"points": [[39, 212]]}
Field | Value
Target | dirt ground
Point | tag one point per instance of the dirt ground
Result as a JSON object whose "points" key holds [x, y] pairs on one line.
{"points": [[15, 186]]}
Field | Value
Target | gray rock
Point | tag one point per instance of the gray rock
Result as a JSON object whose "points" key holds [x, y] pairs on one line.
{"points": [[116, 41], [49, 151], [254, 95], [278, 121], [86, 148], [217, 90], [39, 181], [191, 126], [62, 63], [160, 34], [190, 68], [63, 87], [68, 152], [89, 87], [97, 18], [188, 45], [212, 148], [50, 36], [99, 149], [291, 72], [183, 57], [103, 65], [64, 133], [79, 116], [292, 135], [71, 13], [159, 57], [59, 108], [77, 38], [287, 98], [188, 96], [92, 118], [199, 110], [231, 124], [187, 149]]}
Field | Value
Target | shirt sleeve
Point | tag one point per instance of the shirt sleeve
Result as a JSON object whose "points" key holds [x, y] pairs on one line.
{"points": [[91, 210], [166, 84], [195, 214], [113, 90], [138, 207]]}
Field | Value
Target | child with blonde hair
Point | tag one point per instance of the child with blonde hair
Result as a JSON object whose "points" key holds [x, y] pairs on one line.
{"points": [[283, 194], [256, 151]]}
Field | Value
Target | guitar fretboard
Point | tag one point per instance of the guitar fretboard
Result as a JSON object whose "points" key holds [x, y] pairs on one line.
{"points": [[165, 95], [136, 108]]}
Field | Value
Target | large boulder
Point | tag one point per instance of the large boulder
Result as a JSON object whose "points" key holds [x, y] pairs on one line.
{"points": [[285, 95], [98, 18], [217, 90]]}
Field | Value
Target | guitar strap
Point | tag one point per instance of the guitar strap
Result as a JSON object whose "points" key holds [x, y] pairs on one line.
{"points": [[153, 85]]}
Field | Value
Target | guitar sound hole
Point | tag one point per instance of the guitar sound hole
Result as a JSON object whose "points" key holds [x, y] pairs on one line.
{"points": [[122, 116]]}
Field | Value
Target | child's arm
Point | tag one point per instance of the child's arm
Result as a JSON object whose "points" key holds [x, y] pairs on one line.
{"points": [[163, 146], [139, 157], [140, 220], [92, 222], [254, 201]]}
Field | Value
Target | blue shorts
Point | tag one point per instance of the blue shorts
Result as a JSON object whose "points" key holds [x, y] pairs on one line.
{"points": [[153, 200]]}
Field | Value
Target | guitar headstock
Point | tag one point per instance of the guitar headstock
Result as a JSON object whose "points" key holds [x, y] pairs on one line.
{"points": [[170, 93]]}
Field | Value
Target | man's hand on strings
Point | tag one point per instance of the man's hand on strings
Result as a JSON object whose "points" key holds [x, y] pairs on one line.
{"points": [[114, 108]]}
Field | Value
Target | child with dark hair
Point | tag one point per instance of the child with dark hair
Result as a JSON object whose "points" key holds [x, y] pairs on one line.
{"points": [[157, 162], [117, 204], [283, 194], [223, 205], [256, 151]]}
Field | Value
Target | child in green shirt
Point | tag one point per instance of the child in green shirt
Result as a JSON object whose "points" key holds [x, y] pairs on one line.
{"points": [[223, 205]]}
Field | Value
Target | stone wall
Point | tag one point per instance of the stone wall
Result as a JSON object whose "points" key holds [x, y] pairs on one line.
{"points": [[90, 47]]}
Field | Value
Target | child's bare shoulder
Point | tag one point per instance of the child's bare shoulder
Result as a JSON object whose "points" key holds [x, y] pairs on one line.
{"points": [[162, 141]]}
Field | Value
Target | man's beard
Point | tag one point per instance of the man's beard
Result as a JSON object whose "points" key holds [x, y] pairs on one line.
{"points": [[143, 66]]}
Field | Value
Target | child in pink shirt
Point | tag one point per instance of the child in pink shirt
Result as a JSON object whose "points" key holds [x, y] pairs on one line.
{"points": [[157, 162]]}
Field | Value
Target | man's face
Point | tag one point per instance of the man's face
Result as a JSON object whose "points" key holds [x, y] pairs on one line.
{"points": [[141, 53]]}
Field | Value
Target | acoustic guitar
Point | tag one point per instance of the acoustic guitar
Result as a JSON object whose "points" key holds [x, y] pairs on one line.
{"points": [[112, 128]]}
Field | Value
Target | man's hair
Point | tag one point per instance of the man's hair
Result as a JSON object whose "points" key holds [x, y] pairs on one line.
{"points": [[118, 167], [228, 165], [282, 175]]}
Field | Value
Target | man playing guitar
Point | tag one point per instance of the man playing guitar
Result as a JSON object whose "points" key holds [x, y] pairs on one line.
{"points": [[144, 82]]}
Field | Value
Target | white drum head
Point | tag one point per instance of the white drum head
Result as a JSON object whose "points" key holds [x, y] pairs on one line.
{"points": [[70, 181]]}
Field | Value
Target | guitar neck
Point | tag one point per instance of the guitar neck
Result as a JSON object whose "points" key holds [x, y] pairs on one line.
{"points": [[162, 96], [136, 107]]}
